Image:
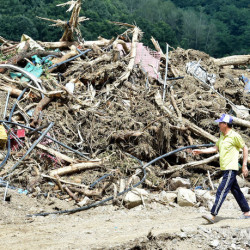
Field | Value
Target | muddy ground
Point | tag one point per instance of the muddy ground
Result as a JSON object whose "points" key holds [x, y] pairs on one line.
{"points": [[153, 226]]}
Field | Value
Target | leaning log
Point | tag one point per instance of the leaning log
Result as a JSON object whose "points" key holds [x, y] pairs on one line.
{"points": [[126, 74], [190, 164], [199, 131], [40, 106], [192, 127], [56, 154], [158, 48]]}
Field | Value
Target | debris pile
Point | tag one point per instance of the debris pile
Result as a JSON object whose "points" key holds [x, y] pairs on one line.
{"points": [[90, 115]]}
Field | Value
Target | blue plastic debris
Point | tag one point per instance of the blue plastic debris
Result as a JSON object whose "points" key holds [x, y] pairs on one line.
{"points": [[247, 82], [30, 112], [35, 68], [19, 190], [22, 191]]}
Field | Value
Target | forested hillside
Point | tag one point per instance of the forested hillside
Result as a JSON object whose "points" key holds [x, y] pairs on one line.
{"points": [[218, 27]]}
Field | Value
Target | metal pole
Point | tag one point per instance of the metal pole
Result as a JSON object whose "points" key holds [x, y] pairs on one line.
{"points": [[70, 59], [6, 105], [166, 76], [31, 148], [4, 115], [6, 189]]}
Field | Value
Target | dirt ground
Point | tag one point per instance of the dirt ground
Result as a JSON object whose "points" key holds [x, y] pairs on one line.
{"points": [[104, 227]]}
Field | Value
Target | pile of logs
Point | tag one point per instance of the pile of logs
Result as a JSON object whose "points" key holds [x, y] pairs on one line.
{"points": [[114, 111]]}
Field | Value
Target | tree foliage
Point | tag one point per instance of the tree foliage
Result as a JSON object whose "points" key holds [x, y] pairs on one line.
{"points": [[216, 26]]}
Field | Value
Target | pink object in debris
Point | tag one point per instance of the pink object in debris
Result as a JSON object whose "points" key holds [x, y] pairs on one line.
{"points": [[46, 141], [20, 133], [147, 58]]}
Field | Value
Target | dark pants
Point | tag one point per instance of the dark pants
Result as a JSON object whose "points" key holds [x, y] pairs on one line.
{"points": [[229, 182]]}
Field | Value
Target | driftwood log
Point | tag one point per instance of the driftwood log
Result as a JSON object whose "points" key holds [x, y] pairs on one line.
{"points": [[63, 45], [13, 91], [233, 60], [57, 154], [76, 167]]}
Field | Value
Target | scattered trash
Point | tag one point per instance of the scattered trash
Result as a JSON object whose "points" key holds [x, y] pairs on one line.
{"points": [[22, 191], [194, 68], [70, 87], [33, 44], [18, 134]]}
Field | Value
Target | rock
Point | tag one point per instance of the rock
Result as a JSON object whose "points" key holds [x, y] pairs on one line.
{"points": [[84, 202], [245, 190], [209, 196], [182, 235], [200, 192], [186, 197], [179, 182], [240, 181], [233, 246], [205, 194], [167, 197], [1, 156], [210, 205], [135, 179], [171, 204], [134, 198], [214, 243]]}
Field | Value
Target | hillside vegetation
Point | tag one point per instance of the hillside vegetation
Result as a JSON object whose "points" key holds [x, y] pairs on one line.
{"points": [[218, 27]]}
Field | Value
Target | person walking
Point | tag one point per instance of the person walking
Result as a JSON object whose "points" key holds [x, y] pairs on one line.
{"points": [[228, 146]]}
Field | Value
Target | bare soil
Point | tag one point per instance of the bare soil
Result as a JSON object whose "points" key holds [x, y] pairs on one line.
{"points": [[107, 227]]}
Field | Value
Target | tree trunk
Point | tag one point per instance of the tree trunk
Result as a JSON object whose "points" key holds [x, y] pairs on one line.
{"points": [[233, 60]]}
